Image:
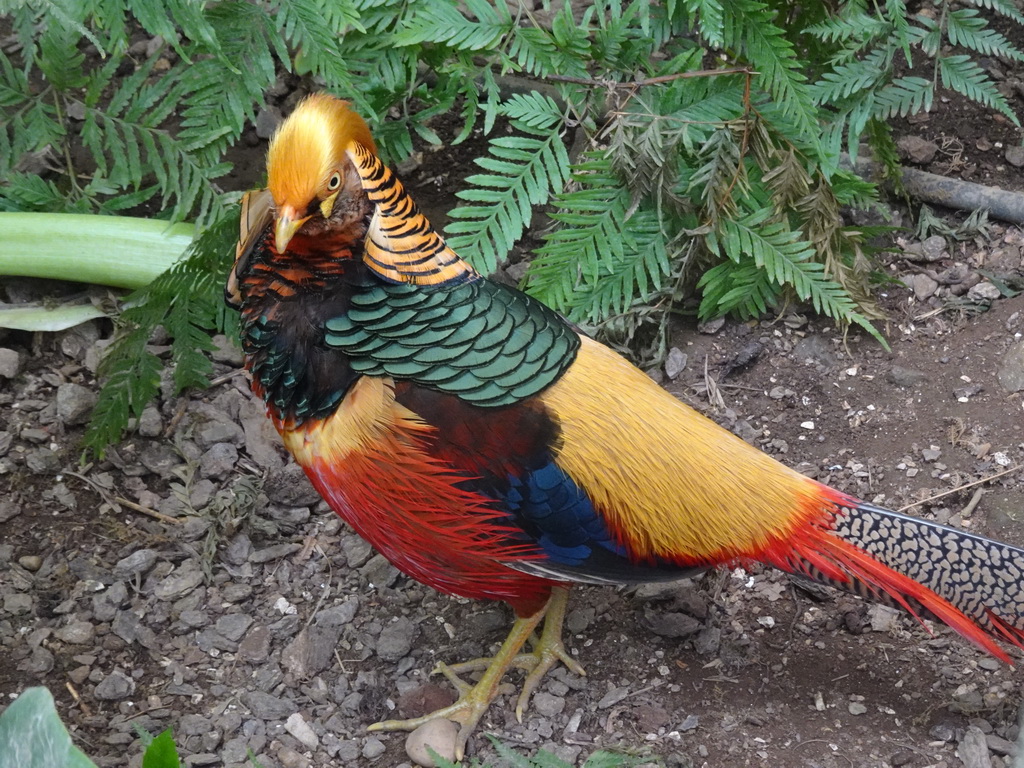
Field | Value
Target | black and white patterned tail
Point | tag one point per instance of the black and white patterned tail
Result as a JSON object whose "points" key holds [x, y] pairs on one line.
{"points": [[977, 577]]}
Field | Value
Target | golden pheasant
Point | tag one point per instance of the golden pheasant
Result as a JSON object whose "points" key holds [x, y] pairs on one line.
{"points": [[490, 450]]}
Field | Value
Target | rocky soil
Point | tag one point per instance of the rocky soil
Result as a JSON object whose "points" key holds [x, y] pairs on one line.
{"points": [[193, 579]]}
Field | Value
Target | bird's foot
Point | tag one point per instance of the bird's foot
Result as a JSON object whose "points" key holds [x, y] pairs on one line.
{"points": [[474, 699]]}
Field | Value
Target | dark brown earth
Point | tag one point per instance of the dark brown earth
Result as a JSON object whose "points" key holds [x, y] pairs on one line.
{"points": [[765, 674]]}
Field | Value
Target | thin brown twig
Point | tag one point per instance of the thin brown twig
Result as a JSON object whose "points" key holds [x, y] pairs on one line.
{"points": [[650, 80], [122, 501], [959, 488]]}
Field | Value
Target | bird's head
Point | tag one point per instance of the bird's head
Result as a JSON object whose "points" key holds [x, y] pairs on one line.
{"points": [[314, 186]]}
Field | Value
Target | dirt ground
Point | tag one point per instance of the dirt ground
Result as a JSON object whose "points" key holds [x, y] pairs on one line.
{"points": [[191, 580]]}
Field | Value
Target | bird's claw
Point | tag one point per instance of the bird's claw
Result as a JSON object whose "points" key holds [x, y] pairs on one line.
{"points": [[474, 700]]}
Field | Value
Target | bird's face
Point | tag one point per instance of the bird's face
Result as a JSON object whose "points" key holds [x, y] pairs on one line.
{"points": [[315, 187]]}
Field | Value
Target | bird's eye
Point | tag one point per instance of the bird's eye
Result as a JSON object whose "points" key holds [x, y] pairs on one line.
{"points": [[334, 182]]}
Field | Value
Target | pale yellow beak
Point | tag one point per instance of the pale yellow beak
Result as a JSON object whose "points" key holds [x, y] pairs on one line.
{"points": [[288, 223]]}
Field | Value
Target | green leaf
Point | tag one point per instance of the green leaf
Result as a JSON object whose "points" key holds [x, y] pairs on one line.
{"points": [[523, 172], [33, 735], [161, 752]]}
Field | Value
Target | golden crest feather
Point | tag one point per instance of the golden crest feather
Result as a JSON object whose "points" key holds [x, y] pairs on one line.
{"points": [[309, 145]]}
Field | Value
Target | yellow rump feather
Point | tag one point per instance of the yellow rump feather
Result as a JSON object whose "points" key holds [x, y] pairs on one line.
{"points": [[704, 492]]}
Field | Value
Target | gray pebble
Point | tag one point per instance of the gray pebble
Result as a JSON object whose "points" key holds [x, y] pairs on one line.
{"points": [[373, 748], [675, 363], [546, 704], [17, 604], [614, 696], [76, 633], [672, 624], [857, 708], [10, 363], [289, 487], [74, 403], [159, 459], [297, 726], [255, 646], [114, 686], [273, 552], [397, 638], [973, 749], [266, 706], [218, 461], [150, 423], [233, 626], [181, 581], [135, 564], [1011, 369]]}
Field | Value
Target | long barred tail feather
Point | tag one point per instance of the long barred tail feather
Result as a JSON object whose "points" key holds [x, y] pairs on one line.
{"points": [[973, 584]]}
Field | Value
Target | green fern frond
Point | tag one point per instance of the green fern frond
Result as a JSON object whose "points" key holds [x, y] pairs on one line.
{"points": [[710, 20], [755, 36], [962, 74], [592, 216], [442, 22], [764, 258], [904, 96], [523, 171], [188, 300], [965, 27], [1002, 7]]}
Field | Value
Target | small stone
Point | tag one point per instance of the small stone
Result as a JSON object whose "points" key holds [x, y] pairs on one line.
{"points": [[76, 633], [614, 696], [135, 564], [266, 706], [856, 708], [150, 422], [675, 363], [1015, 155], [181, 581], [708, 641], [711, 327], [10, 363], [1011, 370], [672, 624], [74, 403], [396, 640], [924, 287], [290, 487], [1000, 746], [883, 618], [233, 626], [906, 378], [984, 291], [546, 704], [917, 150], [255, 646], [689, 724], [290, 758], [30, 562], [267, 120], [297, 726], [219, 461], [8, 510], [942, 732], [17, 604], [373, 748], [114, 686], [934, 248], [439, 735], [226, 351], [973, 749]]}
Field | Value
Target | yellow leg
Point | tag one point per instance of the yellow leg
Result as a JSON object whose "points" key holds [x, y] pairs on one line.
{"points": [[474, 700]]}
